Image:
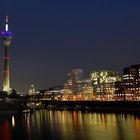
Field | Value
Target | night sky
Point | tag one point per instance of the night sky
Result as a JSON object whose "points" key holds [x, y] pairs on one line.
{"points": [[53, 36]]}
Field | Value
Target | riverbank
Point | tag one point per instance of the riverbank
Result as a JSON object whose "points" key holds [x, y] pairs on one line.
{"points": [[10, 107], [95, 106]]}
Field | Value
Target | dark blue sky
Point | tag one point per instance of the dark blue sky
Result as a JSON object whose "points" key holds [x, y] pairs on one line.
{"points": [[52, 37]]}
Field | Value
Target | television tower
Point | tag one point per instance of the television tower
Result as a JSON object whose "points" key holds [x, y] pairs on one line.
{"points": [[6, 38]]}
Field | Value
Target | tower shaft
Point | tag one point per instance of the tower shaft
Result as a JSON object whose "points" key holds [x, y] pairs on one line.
{"points": [[6, 80]]}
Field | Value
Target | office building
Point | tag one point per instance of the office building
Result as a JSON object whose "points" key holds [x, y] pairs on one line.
{"points": [[104, 83], [129, 88]]}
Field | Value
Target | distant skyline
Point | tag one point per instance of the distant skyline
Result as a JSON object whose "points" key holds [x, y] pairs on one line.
{"points": [[53, 37]]}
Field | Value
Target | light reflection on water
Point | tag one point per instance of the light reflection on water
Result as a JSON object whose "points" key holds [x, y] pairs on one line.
{"points": [[69, 125]]}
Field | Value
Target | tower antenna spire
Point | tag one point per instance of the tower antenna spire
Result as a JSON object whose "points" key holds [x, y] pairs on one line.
{"points": [[6, 25]]}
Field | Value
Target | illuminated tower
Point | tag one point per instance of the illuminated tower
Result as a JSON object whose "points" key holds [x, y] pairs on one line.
{"points": [[7, 38]]}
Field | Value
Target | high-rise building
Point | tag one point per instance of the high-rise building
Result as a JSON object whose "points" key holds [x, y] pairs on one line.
{"points": [[74, 82], [77, 87], [6, 36], [104, 83], [129, 88]]}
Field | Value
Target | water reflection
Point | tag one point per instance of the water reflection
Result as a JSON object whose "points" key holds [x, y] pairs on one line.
{"points": [[5, 131], [73, 125], [13, 121]]}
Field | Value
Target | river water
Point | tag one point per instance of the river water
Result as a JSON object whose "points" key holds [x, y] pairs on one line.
{"points": [[69, 125]]}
